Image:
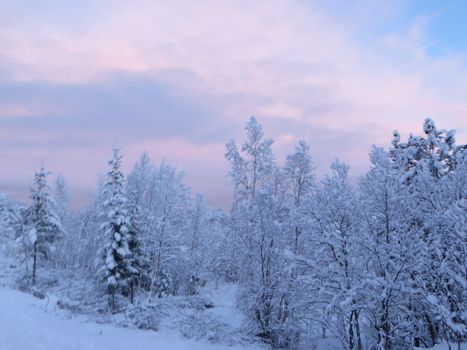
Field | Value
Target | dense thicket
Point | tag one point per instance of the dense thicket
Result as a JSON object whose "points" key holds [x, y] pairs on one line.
{"points": [[379, 265]]}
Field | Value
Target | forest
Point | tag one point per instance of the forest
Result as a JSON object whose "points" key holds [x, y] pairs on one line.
{"points": [[378, 264]]}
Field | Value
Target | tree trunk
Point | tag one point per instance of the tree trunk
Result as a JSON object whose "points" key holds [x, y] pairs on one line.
{"points": [[111, 291], [34, 263], [132, 292], [432, 330], [297, 234], [357, 330], [351, 334], [385, 327]]}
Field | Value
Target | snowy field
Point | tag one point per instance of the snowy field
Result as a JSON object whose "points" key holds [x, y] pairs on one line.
{"points": [[28, 323]]}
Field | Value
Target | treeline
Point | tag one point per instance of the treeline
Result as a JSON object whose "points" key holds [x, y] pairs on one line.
{"points": [[381, 265]]}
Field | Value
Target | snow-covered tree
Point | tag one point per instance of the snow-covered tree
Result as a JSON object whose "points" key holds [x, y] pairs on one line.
{"points": [[14, 232], [198, 240], [259, 221], [299, 171], [334, 261], [165, 204], [388, 247], [61, 196], [45, 224], [379, 266], [428, 163], [117, 268], [249, 172]]}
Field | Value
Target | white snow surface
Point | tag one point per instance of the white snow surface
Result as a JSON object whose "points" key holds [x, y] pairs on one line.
{"points": [[446, 347], [224, 305], [30, 323]]}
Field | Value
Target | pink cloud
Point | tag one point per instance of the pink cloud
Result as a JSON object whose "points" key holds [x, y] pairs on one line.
{"points": [[281, 61]]}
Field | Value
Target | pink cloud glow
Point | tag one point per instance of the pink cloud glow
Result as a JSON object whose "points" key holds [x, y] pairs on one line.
{"points": [[290, 63]]}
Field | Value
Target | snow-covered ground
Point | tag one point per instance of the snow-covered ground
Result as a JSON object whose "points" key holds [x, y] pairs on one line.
{"points": [[27, 322], [446, 347], [224, 308], [30, 323]]}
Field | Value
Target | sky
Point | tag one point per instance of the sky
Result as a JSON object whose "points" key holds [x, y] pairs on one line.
{"points": [[179, 79]]}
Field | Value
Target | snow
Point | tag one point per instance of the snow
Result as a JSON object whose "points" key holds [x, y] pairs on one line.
{"points": [[432, 299], [322, 344], [445, 347], [32, 235], [30, 323], [224, 300]]}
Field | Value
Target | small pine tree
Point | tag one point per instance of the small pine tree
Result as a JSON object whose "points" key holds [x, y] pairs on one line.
{"points": [[46, 226], [116, 267], [136, 263]]}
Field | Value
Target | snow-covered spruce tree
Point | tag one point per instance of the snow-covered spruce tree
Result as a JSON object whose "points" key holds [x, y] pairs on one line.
{"points": [[139, 187], [137, 260], [45, 223], [117, 269], [15, 238]]}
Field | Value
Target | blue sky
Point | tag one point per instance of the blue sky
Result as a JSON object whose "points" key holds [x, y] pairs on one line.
{"points": [[180, 78]]}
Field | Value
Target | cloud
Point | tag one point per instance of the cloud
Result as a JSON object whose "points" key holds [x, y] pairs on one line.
{"points": [[123, 106], [189, 74]]}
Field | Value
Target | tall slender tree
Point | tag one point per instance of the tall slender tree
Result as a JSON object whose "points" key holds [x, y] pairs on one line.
{"points": [[116, 267], [46, 227], [259, 222]]}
